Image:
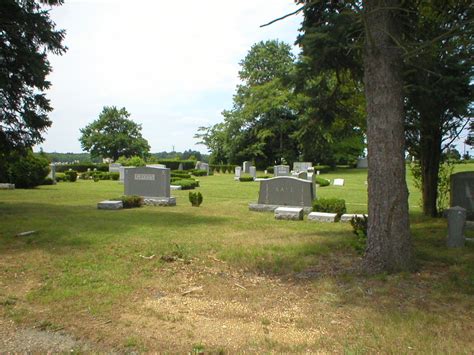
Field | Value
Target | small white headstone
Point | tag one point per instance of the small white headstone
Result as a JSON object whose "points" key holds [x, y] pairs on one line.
{"points": [[289, 213], [322, 217], [338, 182]]}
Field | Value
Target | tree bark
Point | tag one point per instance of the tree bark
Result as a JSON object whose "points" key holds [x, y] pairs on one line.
{"points": [[430, 157], [389, 246]]}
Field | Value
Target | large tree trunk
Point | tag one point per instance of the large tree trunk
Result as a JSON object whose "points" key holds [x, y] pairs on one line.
{"points": [[430, 156], [389, 245]]}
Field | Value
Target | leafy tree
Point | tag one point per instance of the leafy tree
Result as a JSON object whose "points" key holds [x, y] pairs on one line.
{"points": [[27, 34], [113, 135], [438, 85]]}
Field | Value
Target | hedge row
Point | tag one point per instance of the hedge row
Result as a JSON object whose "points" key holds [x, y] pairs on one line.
{"points": [[174, 164], [82, 168], [222, 168]]}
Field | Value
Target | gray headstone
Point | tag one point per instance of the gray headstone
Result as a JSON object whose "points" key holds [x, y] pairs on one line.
{"points": [[147, 182], [362, 163], [4, 186], [52, 172], [246, 167], [180, 166], [114, 168], [462, 192], [238, 171], [286, 191], [303, 175], [346, 218], [281, 170], [202, 166], [253, 171], [456, 223], [301, 166]]}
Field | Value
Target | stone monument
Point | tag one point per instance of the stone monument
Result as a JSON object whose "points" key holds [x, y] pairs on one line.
{"points": [[462, 192], [152, 183]]}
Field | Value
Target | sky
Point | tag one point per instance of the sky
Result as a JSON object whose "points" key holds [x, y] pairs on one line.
{"points": [[172, 64]]}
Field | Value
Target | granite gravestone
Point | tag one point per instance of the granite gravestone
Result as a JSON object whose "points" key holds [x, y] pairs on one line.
{"points": [[281, 170], [202, 166], [180, 166], [238, 172], [302, 166], [253, 171], [338, 182], [362, 163], [52, 172], [152, 183], [462, 192], [114, 168], [246, 167], [284, 191]]}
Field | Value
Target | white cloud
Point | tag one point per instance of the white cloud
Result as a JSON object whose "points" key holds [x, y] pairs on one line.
{"points": [[172, 64]]}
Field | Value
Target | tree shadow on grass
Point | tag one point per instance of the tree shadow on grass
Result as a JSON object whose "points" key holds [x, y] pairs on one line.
{"points": [[59, 226]]}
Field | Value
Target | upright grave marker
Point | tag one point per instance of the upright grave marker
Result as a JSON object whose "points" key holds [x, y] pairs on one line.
{"points": [[253, 171], [152, 183], [281, 170], [301, 166], [114, 168], [246, 167], [284, 191], [238, 172], [462, 192]]}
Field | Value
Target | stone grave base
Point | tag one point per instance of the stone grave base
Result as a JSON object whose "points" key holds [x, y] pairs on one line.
{"points": [[159, 201], [7, 186], [271, 208], [322, 217], [346, 218], [110, 205], [289, 213]]}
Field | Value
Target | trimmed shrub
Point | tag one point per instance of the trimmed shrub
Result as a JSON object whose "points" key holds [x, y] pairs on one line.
{"points": [[322, 182], [270, 170], [186, 184], [180, 174], [82, 168], [48, 181], [71, 175], [323, 169], [330, 205], [264, 176], [26, 171], [173, 164], [195, 198], [114, 176], [131, 201], [60, 177], [359, 226], [197, 172], [245, 178]]}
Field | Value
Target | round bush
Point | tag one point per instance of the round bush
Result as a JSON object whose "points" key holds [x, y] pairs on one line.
{"points": [[322, 182], [71, 175], [27, 171]]}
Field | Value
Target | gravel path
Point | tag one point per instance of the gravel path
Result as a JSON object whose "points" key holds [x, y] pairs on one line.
{"points": [[14, 339]]}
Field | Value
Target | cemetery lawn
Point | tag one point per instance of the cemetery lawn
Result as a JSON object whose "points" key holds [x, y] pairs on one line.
{"points": [[220, 278]]}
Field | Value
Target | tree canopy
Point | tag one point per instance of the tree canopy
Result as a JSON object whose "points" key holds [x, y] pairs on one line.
{"points": [[113, 135], [27, 35]]}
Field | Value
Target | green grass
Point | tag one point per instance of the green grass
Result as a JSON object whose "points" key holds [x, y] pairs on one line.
{"points": [[83, 261]]}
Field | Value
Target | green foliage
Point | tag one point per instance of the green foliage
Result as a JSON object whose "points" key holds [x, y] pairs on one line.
{"points": [[330, 205], [359, 226], [131, 201], [60, 177], [114, 176], [198, 172], [113, 135], [186, 184], [27, 35], [222, 168], [48, 181], [322, 182], [323, 169], [264, 176], [246, 178], [82, 167], [131, 161], [173, 164], [24, 170], [270, 169], [180, 174], [195, 198], [71, 175], [71, 158]]}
